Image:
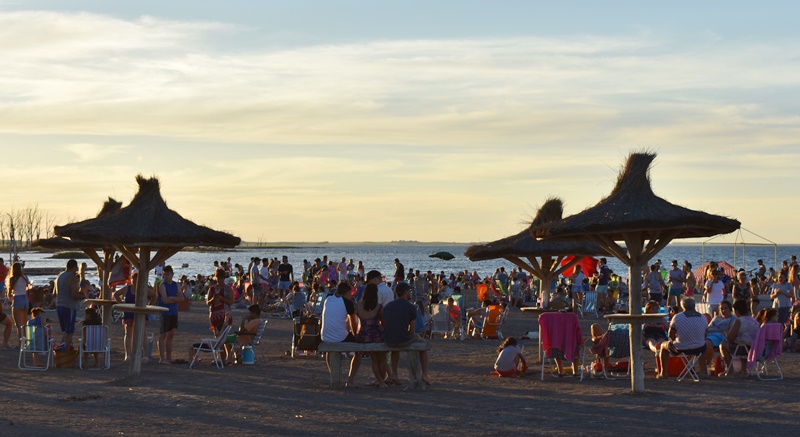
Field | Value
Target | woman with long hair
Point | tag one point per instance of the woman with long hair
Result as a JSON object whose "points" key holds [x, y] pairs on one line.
{"points": [[370, 314], [18, 295]]}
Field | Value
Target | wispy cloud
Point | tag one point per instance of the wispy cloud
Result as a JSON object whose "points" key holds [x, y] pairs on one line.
{"points": [[88, 73]]}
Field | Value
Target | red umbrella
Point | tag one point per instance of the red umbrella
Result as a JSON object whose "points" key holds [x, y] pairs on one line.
{"points": [[699, 273], [588, 266]]}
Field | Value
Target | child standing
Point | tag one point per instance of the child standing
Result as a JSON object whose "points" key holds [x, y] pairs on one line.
{"points": [[510, 360]]}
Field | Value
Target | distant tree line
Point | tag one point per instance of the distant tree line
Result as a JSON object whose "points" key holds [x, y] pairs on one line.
{"points": [[19, 228]]}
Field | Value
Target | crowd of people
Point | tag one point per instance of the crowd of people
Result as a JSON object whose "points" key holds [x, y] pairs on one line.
{"points": [[361, 306]]}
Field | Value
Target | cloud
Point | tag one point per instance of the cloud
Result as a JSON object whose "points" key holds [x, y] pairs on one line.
{"points": [[93, 74], [95, 152]]}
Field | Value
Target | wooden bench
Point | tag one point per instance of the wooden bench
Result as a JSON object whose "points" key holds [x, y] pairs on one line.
{"points": [[335, 352]]}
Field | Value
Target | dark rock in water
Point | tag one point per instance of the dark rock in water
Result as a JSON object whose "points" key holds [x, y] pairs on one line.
{"points": [[447, 256]]}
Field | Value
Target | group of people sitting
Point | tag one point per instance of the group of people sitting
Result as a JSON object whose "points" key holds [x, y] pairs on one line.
{"points": [[689, 332], [379, 316]]}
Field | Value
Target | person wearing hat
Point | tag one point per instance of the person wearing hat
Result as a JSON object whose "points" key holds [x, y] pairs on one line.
{"points": [[385, 294]]}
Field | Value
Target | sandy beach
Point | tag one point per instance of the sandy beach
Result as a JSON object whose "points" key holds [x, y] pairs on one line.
{"points": [[290, 396]]}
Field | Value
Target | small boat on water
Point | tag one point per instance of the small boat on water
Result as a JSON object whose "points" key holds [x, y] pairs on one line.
{"points": [[185, 265]]}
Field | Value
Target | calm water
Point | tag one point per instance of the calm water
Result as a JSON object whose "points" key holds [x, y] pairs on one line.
{"points": [[382, 258]]}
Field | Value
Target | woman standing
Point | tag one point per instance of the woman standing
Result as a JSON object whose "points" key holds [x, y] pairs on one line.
{"points": [[370, 314], [741, 289], [18, 295], [219, 298]]}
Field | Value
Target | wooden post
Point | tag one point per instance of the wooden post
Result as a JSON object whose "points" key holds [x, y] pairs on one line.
{"points": [[635, 307], [105, 273], [415, 370], [336, 369], [139, 317]]}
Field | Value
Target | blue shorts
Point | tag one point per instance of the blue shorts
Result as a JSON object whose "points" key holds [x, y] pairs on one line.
{"points": [[20, 302], [66, 318], [257, 290], [284, 285], [3, 286], [601, 289], [675, 291], [715, 338]]}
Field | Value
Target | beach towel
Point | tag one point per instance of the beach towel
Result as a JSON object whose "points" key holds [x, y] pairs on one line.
{"points": [[767, 344], [561, 331]]}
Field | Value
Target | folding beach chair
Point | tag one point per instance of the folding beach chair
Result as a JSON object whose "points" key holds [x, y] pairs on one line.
{"points": [[766, 346], [493, 322], [561, 338], [482, 291], [306, 335], [689, 361], [589, 304], [619, 347], [36, 341], [440, 320], [459, 332], [95, 340], [214, 346], [256, 340]]}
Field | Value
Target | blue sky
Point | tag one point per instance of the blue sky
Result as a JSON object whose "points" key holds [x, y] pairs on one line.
{"points": [[363, 120]]}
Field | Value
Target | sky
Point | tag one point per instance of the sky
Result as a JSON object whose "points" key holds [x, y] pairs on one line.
{"points": [[415, 120]]}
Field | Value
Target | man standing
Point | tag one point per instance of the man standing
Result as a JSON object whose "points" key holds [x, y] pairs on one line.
{"points": [[399, 323], [255, 281], [385, 294], [603, 276], [285, 276], [336, 311], [399, 272], [68, 300], [676, 281], [343, 269], [168, 296]]}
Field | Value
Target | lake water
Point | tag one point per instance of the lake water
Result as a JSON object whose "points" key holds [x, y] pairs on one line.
{"points": [[413, 256]]}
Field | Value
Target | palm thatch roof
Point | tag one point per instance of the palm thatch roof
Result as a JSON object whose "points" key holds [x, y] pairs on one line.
{"points": [[633, 207], [110, 206], [146, 221], [524, 245]]}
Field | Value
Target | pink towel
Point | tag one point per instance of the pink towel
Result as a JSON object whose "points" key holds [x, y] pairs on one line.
{"points": [[561, 331], [770, 332]]}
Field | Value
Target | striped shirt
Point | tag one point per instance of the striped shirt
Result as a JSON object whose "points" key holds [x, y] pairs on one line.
{"points": [[690, 332]]}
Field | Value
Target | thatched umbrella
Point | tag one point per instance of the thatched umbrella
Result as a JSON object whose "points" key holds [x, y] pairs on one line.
{"points": [[104, 264], [146, 223], [551, 253], [646, 223]]}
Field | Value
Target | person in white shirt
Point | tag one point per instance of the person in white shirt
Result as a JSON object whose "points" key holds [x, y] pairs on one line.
{"points": [[385, 294]]}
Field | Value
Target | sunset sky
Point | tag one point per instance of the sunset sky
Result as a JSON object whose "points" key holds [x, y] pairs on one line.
{"points": [[413, 120]]}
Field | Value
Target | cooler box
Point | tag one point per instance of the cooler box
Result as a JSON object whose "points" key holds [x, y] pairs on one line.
{"points": [[674, 366]]}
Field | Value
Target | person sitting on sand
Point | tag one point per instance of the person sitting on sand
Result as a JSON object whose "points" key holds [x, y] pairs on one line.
{"points": [[509, 359], [687, 331]]}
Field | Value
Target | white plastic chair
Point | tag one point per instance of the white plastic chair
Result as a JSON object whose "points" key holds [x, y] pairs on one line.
{"points": [[214, 346], [95, 340]]}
